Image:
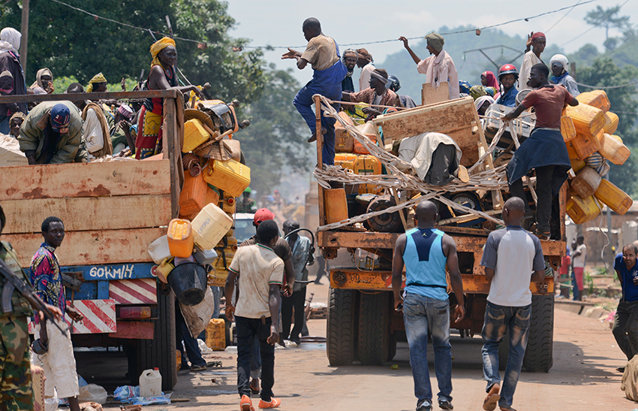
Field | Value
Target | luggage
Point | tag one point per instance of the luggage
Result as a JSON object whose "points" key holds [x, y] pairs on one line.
{"points": [[335, 205], [614, 197], [230, 176], [180, 238], [194, 135], [210, 226], [613, 149], [195, 195]]}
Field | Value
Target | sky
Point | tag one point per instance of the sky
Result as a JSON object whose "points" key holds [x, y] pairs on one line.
{"points": [[278, 22]]}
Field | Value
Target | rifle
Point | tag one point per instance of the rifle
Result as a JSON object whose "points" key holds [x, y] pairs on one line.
{"points": [[14, 283]]}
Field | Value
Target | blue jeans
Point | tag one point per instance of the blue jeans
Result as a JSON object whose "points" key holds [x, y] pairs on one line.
{"points": [[250, 330], [515, 322], [305, 106], [423, 315], [190, 343]]}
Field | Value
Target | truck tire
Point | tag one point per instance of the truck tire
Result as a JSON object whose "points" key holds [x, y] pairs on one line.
{"points": [[160, 351], [341, 327], [374, 328], [540, 344]]}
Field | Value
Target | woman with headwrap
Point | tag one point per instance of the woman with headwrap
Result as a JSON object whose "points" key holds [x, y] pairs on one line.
{"points": [[161, 77], [558, 64], [488, 79], [97, 84], [11, 75], [43, 83], [439, 67]]}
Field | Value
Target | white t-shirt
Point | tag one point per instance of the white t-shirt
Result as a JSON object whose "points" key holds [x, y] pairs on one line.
{"points": [[579, 261], [257, 267], [364, 77], [528, 61], [514, 254]]}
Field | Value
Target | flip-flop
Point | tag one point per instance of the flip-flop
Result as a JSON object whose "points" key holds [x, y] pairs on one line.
{"points": [[489, 404]]}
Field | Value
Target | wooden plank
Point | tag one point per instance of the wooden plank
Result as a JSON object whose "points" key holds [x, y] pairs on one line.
{"points": [[92, 247], [432, 95], [114, 178], [320, 193], [88, 213], [38, 98]]}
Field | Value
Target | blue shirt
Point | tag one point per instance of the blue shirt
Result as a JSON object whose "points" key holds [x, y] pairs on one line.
{"points": [[509, 98], [425, 263], [629, 290]]}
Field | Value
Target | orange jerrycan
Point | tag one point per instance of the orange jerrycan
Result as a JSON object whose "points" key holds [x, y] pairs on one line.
{"points": [[581, 210], [216, 334], [613, 149], [611, 122], [595, 98], [335, 204], [588, 120], [180, 238]]}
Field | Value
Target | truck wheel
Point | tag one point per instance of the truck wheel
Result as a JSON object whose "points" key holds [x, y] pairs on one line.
{"points": [[374, 328], [341, 327], [539, 353], [160, 351]]}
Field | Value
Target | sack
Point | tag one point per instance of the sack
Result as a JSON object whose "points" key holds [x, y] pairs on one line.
{"points": [[93, 393], [629, 379]]}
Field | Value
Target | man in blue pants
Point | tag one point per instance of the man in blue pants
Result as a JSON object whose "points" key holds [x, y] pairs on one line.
{"points": [[322, 53]]}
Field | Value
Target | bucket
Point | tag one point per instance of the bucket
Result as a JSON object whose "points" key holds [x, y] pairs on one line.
{"points": [[230, 176], [581, 210], [611, 122], [210, 226], [188, 281], [180, 238], [194, 135], [595, 98], [586, 182], [613, 149], [614, 197], [216, 334], [335, 204], [150, 383], [158, 250], [588, 120]]}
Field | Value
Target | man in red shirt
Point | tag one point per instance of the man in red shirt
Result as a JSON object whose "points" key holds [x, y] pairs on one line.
{"points": [[545, 150]]}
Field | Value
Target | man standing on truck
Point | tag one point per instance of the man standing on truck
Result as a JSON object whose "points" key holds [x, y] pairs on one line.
{"points": [[260, 273], [323, 55], [545, 150], [535, 41], [625, 328], [510, 256], [426, 252], [58, 361]]}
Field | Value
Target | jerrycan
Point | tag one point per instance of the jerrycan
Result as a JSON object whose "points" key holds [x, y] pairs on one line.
{"points": [[151, 383]]}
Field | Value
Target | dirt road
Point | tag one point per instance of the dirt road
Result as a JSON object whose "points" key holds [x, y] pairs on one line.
{"points": [[584, 376]]}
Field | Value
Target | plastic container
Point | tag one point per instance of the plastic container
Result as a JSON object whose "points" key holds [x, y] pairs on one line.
{"points": [[588, 120], [611, 122], [210, 226], [335, 205], [205, 257], [367, 165], [189, 283], [216, 334], [195, 195], [150, 383], [577, 164], [614, 197], [581, 210], [567, 128], [345, 160], [582, 146], [180, 238], [586, 182], [163, 270], [613, 149], [194, 135], [344, 142], [595, 98], [159, 250], [370, 131], [229, 205], [230, 176]]}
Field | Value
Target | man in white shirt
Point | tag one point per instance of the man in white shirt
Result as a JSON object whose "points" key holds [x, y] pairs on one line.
{"points": [[532, 57], [439, 67], [510, 256], [364, 62], [260, 272], [578, 267]]}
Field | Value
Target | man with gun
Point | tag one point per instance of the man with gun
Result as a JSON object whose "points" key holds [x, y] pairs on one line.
{"points": [[17, 302]]}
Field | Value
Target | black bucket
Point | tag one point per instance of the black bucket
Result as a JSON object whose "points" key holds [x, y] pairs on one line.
{"points": [[189, 282]]}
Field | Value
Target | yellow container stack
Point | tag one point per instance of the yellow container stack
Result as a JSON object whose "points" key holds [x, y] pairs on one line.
{"points": [[194, 135], [611, 122], [613, 149], [230, 176]]}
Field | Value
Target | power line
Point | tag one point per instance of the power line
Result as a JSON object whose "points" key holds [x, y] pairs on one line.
{"points": [[633, 83], [562, 18]]}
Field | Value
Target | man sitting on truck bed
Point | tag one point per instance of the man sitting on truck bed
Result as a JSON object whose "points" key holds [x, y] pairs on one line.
{"points": [[426, 252], [545, 149], [376, 94]]}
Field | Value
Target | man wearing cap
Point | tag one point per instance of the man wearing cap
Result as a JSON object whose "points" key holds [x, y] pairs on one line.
{"points": [[52, 134], [532, 57], [377, 93], [364, 62], [439, 67]]}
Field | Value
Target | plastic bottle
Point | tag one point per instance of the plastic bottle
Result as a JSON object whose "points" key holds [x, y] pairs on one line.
{"points": [[151, 383]]}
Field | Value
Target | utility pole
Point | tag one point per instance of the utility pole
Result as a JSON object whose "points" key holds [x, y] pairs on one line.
{"points": [[25, 34]]}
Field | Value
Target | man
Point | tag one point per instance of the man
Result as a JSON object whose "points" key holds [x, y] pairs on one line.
{"points": [[52, 134], [364, 62], [300, 247], [426, 252], [15, 366], [532, 57], [376, 94], [186, 341], [350, 58], [395, 85], [43, 83], [559, 63], [247, 204], [97, 84], [322, 53], [544, 150], [121, 130], [260, 275], [15, 122], [439, 67], [625, 328], [578, 267], [11, 76], [58, 362], [510, 256], [508, 75]]}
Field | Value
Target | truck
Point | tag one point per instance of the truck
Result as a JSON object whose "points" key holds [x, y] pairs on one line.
{"points": [[111, 212], [362, 323]]}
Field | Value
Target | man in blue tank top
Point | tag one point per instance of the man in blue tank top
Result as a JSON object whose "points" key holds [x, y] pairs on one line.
{"points": [[510, 256], [426, 252]]}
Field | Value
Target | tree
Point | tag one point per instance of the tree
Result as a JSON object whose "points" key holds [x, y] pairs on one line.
{"points": [[607, 18], [275, 142]]}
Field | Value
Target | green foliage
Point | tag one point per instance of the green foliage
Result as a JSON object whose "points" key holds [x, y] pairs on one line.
{"points": [[62, 83], [275, 142]]}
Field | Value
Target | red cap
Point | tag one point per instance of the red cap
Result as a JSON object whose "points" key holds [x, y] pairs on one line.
{"points": [[537, 35], [263, 214]]}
